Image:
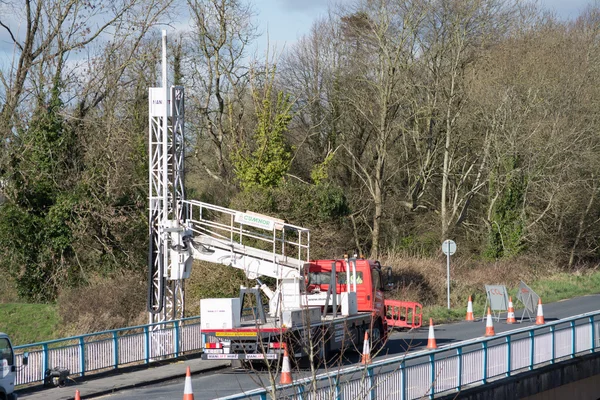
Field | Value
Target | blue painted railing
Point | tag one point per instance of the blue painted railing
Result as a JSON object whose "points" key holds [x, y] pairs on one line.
{"points": [[450, 368], [110, 349]]}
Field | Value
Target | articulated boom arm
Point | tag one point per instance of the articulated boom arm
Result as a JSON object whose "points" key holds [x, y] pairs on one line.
{"points": [[256, 244], [254, 262]]}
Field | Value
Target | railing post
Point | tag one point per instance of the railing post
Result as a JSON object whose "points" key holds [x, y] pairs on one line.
{"points": [[553, 332], [402, 381], [299, 392], [485, 359], [593, 348], [532, 352], [82, 355], [44, 359], [146, 344], [459, 369], [508, 356], [177, 326], [116, 349], [338, 392], [372, 392], [432, 364], [573, 339]]}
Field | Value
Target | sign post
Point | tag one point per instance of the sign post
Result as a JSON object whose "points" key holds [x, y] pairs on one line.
{"points": [[448, 248]]}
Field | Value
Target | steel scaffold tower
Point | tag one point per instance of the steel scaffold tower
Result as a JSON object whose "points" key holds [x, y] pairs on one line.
{"points": [[169, 254]]}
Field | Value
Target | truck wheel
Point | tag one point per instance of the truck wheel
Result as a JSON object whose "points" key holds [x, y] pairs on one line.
{"points": [[377, 335]]}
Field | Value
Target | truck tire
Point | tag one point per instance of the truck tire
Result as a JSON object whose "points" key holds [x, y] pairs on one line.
{"points": [[377, 336]]}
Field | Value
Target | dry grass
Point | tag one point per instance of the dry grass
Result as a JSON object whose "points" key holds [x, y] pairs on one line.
{"points": [[107, 303], [424, 279]]}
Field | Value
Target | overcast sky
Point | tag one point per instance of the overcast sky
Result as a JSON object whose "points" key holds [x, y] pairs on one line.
{"points": [[287, 20]]}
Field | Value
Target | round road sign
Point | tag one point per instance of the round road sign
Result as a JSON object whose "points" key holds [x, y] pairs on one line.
{"points": [[449, 247]]}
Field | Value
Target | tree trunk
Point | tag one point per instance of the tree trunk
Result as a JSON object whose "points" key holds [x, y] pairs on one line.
{"points": [[580, 228]]}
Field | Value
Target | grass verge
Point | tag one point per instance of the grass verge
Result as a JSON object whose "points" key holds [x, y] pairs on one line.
{"points": [[29, 323], [559, 286]]}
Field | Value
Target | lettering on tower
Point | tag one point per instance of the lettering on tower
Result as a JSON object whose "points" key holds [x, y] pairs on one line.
{"points": [[157, 102]]}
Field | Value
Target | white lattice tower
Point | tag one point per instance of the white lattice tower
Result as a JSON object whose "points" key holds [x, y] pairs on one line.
{"points": [[169, 260]]}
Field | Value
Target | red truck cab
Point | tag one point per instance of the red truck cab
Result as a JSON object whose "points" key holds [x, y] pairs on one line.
{"points": [[369, 284], [369, 291]]}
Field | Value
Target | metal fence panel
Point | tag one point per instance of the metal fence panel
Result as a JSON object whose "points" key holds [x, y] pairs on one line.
{"points": [[110, 349], [562, 345], [583, 338], [542, 348], [161, 343], [497, 360], [445, 374], [525, 348], [406, 377], [520, 354], [418, 381], [191, 337], [99, 355], [355, 389], [389, 385], [471, 367], [132, 348], [35, 367], [68, 357]]}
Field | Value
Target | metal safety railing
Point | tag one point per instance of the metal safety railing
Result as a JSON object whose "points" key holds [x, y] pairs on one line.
{"points": [[448, 369], [110, 349], [252, 231]]}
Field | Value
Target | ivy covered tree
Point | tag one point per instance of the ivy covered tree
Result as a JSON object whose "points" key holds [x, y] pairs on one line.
{"points": [[266, 162], [506, 227], [35, 231]]}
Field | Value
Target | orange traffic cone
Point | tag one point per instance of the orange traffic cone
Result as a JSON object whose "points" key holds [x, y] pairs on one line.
{"points": [[286, 373], [540, 315], [366, 354], [489, 325], [77, 395], [470, 310], [510, 315], [188, 394], [431, 344]]}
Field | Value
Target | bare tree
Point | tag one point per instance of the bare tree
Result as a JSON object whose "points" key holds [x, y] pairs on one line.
{"points": [[218, 78], [51, 30]]}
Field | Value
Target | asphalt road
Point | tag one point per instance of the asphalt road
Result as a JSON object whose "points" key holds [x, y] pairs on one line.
{"points": [[227, 382]]}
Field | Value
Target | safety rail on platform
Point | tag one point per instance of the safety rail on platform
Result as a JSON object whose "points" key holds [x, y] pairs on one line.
{"points": [[230, 227], [110, 349], [449, 369]]}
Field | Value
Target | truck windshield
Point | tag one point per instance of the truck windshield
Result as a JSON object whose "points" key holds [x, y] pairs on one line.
{"points": [[6, 352], [323, 278]]}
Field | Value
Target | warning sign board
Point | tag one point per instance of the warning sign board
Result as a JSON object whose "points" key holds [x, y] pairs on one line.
{"points": [[528, 297], [497, 298]]}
